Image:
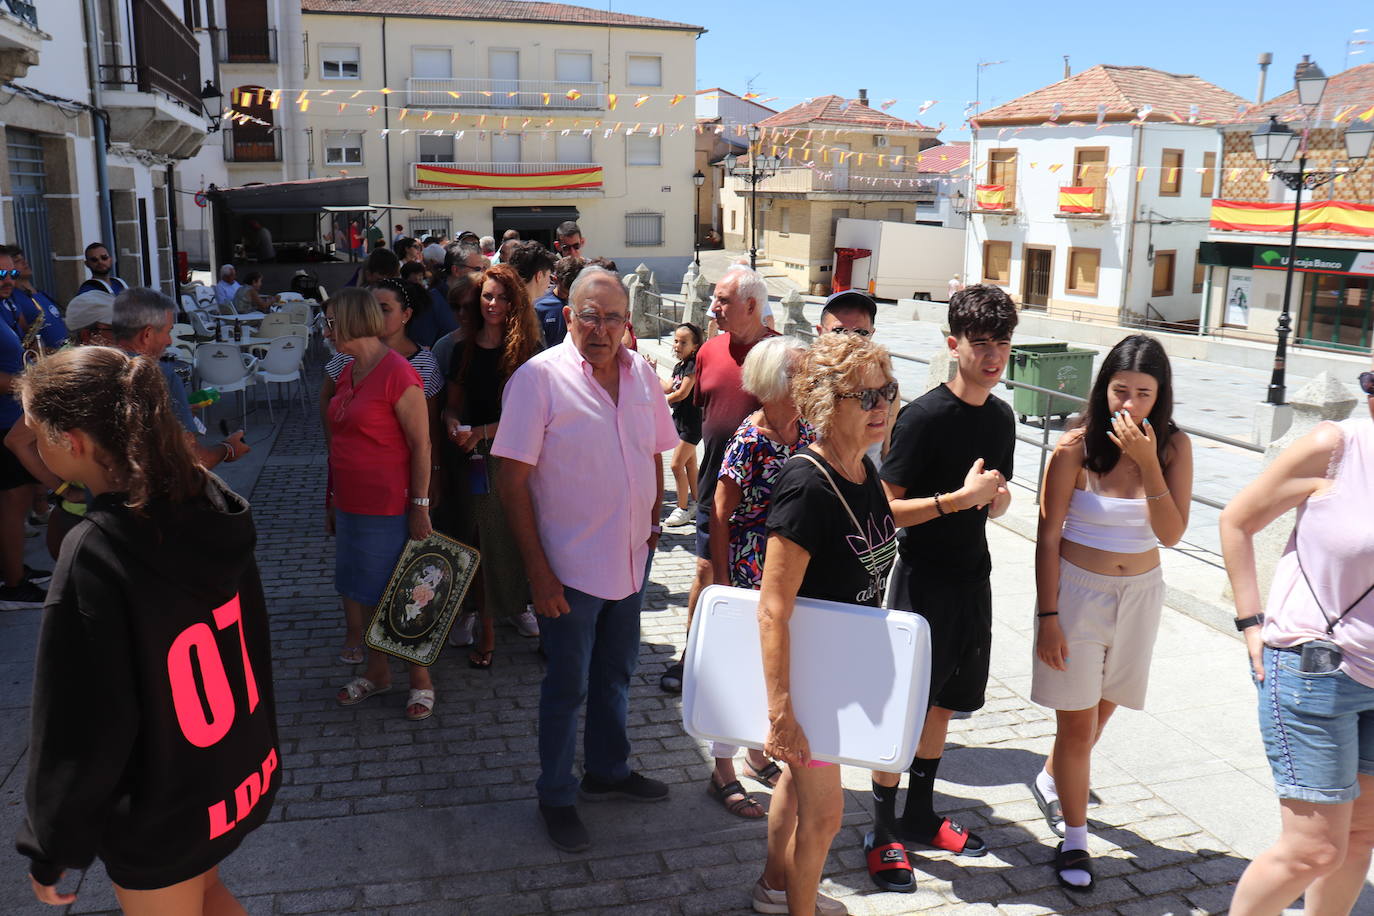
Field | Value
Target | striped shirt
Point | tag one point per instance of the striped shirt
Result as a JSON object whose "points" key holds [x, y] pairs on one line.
{"points": [[422, 360]]}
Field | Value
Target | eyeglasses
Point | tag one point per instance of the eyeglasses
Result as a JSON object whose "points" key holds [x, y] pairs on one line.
{"points": [[869, 397], [564, 246], [329, 322], [8, 272], [841, 329], [1367, 383], [609, 322]]}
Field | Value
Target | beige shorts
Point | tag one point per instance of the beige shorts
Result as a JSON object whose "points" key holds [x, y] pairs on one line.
{"points": [[1109, 623]]}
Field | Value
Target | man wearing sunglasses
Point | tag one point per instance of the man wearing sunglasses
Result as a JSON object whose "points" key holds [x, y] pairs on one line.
{"points": [[568, 241], [101, 266], [30, 300]]}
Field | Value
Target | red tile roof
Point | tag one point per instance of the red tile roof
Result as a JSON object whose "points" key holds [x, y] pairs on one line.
{"points": [[1351, 88], [949, 157], [502, 10], [833, 110], [1124, 90]]}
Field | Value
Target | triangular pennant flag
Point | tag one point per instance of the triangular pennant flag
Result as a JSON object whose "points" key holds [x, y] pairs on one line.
{"points": [[927, 105], [676, 98], [1056, 167], [572, 95], [1140, 174], [887, 103], [611, 99], [372, 109], [545, 97], [641, 100], [456, 95]]}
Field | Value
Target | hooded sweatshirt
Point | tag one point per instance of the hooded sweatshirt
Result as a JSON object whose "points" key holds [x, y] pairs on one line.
{"points": [[154, 735]]}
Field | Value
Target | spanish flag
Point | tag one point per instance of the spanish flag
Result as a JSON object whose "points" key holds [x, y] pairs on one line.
{"points": [[436, 176], [1077, 200], [991, 196], [1317, 215]]}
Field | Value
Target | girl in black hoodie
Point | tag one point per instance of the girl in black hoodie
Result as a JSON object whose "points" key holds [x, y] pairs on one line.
{"points": [[154, 742]]}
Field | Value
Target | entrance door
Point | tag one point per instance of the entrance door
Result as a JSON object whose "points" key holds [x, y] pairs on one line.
{"points": [[1035, 277], [503, 67], [246, 32], [28, 184], [1340, 312], [840, 166]]}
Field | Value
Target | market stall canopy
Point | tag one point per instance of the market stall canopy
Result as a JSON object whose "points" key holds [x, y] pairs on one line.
{"points": [[309, 195]]}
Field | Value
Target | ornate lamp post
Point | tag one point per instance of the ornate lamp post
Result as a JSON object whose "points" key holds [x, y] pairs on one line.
{"points": [[760, 167], [1276, 145], [698, 179]]}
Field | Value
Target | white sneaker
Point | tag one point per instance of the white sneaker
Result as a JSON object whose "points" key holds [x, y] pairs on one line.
{"points": [[767, 900], [679, 516], [526, 624], [464, 632]]}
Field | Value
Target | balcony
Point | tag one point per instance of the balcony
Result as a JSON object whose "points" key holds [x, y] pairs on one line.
{"points": [[20, 39], [836, 180], [1082, 202], [252, 148], [154, 103], [505, 179], [470, 92], [246, 46]]}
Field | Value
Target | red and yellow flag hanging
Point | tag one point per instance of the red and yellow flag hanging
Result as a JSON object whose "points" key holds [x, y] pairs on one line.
{"points": [[436, 176], [1329, 215], [1077, 200], [991, 196]]}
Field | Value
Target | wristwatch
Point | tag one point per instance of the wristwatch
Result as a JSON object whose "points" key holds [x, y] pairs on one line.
{"points": [[422, 501], [1245, 623]]}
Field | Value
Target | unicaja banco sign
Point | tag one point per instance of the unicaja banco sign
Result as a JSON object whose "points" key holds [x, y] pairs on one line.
{"points": [[1316, 260]]}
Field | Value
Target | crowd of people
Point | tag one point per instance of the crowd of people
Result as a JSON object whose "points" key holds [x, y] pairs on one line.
{"points": [[494, 393]]}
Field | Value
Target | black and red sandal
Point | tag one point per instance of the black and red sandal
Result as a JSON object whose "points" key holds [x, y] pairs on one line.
{"points": [[951, 836], [889, 867]]}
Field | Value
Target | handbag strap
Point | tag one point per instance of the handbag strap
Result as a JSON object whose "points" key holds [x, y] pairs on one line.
{"points": [[1330, 624], [830, 480]]}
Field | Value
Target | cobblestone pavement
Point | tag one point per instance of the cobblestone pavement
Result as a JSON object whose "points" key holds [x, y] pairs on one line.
{"points": [[381, 815]]}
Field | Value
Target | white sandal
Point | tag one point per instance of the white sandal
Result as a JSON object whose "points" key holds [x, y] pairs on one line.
{"points": [[423, 698], [359, 689]]}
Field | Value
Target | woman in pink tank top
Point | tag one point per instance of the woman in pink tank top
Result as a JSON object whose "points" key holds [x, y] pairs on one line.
{"points": [[1312, 659]]}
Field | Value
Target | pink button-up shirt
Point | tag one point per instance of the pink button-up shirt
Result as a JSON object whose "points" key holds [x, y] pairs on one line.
{"points": [[593, 483]]}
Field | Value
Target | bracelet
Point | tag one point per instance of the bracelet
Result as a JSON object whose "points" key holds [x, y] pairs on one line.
{"points": [[1048, 614], [228, 453], [1160, 496], [420, 501], [939, 508], [1245, 623], [62, 488], [434, 467], [655, 529]]}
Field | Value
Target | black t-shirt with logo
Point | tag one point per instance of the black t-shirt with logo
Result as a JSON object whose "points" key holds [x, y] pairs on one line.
{"points": [[846, 565], [935, 441]]}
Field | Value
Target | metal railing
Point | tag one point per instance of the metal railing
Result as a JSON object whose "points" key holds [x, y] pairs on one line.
{"points": [[25, 12], [246, 46], [667, 312], [252, 148], [166, 57], [1099, 203], [471, 92], [834, 178]]}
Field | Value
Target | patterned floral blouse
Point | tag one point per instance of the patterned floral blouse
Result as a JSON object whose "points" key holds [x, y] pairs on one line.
{"points": [[753, 462]]}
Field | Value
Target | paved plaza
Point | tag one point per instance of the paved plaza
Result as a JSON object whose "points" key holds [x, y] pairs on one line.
{"points": [[380, 815]]}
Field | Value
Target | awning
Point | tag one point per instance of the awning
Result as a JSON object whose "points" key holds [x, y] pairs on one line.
{"points": [[503, 218], [311, 195]]}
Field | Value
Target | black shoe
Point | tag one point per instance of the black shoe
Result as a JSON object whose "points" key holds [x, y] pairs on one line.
{"points": [[33, 575], [564, 827], [671, 680], [24, 593], [634, 787]]}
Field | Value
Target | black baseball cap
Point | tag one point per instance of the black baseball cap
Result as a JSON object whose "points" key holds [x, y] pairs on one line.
{"points": [[851, 299]]}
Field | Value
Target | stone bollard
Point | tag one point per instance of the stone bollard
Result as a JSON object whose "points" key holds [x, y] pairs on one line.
{"points": [[796, 325], [698, 299], [688, 278], [632, 287], [1322, 398], [943, 366]]}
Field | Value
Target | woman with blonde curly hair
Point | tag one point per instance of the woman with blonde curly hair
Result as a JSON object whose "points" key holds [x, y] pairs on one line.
{"points": [[830, 537], [500, 333]]}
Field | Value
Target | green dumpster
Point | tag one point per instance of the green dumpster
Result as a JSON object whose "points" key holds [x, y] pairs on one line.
{"points": [[1054, 366]]}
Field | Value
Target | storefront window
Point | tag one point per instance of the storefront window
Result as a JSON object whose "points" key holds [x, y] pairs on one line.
{"points": [[1339, 312]]}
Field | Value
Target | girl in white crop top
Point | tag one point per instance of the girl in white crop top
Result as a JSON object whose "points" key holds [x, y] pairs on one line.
{"points": [[1116, 487]]}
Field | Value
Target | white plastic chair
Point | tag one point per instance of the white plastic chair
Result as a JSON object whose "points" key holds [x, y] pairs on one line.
{"points": [[299, 310], [271, 325], [226, 367], [290, 296], [282, 364], [205, 295], [205, 325]]}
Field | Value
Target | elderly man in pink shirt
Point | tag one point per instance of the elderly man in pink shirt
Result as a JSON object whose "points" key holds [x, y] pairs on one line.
{"points": [[583, 425]]}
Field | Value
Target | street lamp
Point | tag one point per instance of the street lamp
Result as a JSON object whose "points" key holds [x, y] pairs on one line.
{"points": [[760, 167], [698, 179], [209, 99], [1276, 144]]}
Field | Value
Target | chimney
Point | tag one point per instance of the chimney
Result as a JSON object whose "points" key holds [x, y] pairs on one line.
{"points": [[1067, 72], [863, 96], [1265, 59]]}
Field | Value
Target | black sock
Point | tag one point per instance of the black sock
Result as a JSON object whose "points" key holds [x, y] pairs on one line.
{"points": [[884, 813], [919, 817]]}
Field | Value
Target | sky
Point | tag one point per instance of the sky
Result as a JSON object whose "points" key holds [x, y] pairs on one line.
{"points": [[915, 52]]}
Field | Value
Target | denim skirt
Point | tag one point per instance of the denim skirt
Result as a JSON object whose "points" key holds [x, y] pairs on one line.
{"points": [[365, 553]]}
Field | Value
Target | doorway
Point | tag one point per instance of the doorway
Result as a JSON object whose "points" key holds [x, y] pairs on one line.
{"points": [[1035, 277]]}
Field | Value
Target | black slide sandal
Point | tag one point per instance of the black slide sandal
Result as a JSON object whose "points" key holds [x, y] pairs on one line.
{"points": [[1073, 859]]}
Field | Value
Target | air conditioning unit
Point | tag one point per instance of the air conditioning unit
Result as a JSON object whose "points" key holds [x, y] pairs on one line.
{"points": [[880, 141]]}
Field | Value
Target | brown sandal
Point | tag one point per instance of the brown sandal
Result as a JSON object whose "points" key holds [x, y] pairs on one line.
{"points": [[768, 774], [743, 801]]}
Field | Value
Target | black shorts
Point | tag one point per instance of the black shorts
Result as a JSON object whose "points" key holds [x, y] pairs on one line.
{"points": [[688, 431], [704, 529], [960, 618], [12, 473]]}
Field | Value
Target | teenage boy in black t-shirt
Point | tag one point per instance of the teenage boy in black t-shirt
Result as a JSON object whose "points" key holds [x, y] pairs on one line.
{"points": [[945, 476]]}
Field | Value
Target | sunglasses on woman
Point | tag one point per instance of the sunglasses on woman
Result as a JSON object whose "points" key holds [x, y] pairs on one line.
{"points": [[869, 397], [1367, 383]]}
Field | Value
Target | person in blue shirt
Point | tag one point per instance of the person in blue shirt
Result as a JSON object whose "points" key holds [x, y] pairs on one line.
{"points": [[16, 494], [549, 307], [228, 286], [31, 300], [101, 266]]}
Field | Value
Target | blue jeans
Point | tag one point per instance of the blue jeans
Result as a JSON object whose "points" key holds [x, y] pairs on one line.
{"points": [[591, 654]]}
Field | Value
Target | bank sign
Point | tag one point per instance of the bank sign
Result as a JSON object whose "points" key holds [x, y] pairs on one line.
{"points": [[1316, 260]]}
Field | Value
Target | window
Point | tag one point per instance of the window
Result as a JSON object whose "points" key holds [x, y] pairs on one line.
{"points": [[644, 70], [505, 147], [1209, 174], [573, 148], [642, 149], [435, 149], [1163, 284], [1002, 170], [643, 229], [1171, 172], [1083, 264], [431, 63], [572, 66], [896, 162], [733, 214], [784, 220], [342, 148], [1199, 270], [895, 214], [339, 62], [997, 262]]}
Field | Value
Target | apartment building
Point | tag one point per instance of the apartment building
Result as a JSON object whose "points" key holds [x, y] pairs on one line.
{"points": [[841, 158], [722, 119], [1246, 254], [510, 115], [1093, 195]]}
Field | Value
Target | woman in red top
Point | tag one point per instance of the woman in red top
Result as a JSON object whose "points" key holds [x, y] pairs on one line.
{"points": [[379, 465]]}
